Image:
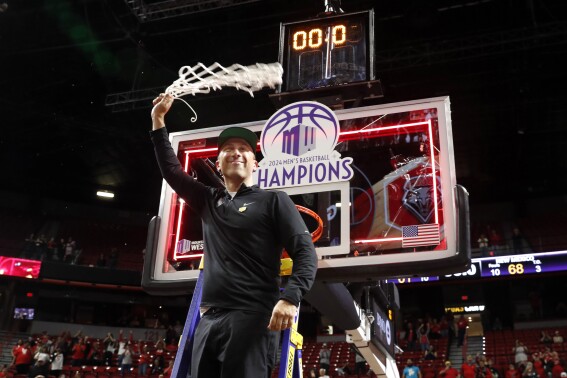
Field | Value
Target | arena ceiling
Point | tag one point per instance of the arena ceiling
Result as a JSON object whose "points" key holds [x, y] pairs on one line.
{"points": [[502, 62]]}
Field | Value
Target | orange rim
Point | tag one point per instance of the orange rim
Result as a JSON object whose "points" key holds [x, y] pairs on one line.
{"points": [[315, 235]]}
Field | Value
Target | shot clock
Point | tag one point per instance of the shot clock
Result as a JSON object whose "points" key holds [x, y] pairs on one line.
{"points": [[327, 51]]}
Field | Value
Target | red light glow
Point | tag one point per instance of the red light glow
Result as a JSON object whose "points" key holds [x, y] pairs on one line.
{"points": [[11, 266]]}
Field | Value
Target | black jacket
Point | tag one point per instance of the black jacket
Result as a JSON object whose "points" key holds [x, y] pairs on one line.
{"points": [[243, 239]]}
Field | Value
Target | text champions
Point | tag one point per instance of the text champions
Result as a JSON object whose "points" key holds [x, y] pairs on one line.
{"points": [[285, 175]]}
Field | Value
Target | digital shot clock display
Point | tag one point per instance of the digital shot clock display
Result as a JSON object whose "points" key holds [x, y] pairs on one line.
{"points": [[327, 51]]}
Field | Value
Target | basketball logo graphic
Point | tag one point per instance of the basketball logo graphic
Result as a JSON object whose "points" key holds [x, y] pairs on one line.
{"points": [[299, 129], [298, 143]]}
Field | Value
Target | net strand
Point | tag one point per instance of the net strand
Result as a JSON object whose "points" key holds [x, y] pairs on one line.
{"points": [[202, 79]]}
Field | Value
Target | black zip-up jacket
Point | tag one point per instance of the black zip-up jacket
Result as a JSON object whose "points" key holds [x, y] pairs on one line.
{"points": [[243, 239]]}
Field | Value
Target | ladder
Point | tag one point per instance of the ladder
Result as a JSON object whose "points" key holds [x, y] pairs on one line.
{"points": [[291, 365]]}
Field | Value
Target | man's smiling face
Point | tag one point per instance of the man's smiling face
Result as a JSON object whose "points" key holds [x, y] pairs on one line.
{"points": [[236, 160]]}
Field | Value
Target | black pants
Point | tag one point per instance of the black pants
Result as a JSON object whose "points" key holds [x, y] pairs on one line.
{"points": [[233, 344]]}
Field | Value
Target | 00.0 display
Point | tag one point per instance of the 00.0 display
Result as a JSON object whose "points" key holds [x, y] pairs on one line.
{"points": [[315, 37]]}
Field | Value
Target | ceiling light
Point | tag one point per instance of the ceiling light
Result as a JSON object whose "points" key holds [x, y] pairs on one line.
{"points": [[105, 194]]}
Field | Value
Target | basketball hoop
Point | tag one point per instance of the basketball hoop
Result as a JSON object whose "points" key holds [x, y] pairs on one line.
{"points": [[315, 235]]}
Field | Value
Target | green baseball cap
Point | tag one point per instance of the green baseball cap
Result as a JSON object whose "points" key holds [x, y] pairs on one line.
{"points": [[238, 132]]}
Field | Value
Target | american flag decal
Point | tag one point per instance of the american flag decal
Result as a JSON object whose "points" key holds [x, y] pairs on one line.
{"points": [[419, 235]]}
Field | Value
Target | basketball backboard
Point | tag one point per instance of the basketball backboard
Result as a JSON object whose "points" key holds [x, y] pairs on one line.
{"points": [[381, 178]]}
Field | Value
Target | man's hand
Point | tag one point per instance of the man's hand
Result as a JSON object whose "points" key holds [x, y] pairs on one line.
{"points": [[162, 104], [282, 315]]}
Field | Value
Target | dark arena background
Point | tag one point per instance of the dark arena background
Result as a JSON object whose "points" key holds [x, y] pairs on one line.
{"points": [[76, 85]]}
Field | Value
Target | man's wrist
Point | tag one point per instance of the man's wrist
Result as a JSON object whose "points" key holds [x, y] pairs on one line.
{"points": [[158, 123]]}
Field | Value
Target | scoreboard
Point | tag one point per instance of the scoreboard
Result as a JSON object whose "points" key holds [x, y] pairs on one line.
{"points": [[499, 266], [327, 51]]}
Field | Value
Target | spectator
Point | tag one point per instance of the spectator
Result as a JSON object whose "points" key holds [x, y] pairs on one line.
{"points": [[323, 373], [159, 361], [40, 368], [52, 249], [40, 249], [78, 353], [449, 371], [410, 336], [545, 338], [95, 356], [493, 370], [557, 371], [109, 348], [423, 334], [483, 245], [512, 372], [127, 359], [462, 325], [557, 338], [482, 371], [324, 357], [23, 357], [520, 354], [430, 353], [143, 361], [529, 371], [411, 371], [495, 240], [468, 369], [435, 330], [69, 251], [43, 355], [168, 370], [57, 363]]}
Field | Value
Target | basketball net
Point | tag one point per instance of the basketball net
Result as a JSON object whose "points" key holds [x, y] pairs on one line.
{"points": [[202, 79]]}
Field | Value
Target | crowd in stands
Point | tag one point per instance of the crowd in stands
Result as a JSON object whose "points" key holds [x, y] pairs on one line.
{"points": [[98, 249], [490, 242], [64, 250], [45, 248], [79, 355], [118, 356], [548, 360]]}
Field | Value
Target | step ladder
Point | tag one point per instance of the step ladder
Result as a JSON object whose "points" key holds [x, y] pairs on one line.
{"points": [[291, 365]]}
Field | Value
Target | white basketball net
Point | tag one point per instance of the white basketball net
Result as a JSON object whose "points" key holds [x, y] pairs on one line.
{"points": [[203, 79]]}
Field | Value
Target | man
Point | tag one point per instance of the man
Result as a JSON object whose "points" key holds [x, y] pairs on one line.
{"points": [[22, 357], [468, 369], [244, 231], [462, 325], [483, 371], [411, 371], [324, 357], [449, 371]]}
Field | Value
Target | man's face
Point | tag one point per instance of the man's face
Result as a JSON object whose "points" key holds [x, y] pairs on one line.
{"points": [[236, 159]]}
